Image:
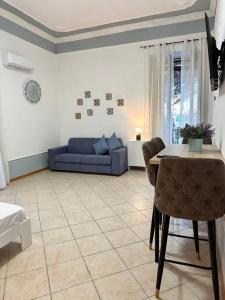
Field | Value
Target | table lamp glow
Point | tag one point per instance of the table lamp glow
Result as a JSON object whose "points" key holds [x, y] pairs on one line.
{"points": [[138, 132]]}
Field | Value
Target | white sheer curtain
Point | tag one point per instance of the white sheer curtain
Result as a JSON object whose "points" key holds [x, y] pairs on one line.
{"points": [[153, 84], [194, 82], [4, 171], [167, 91], [159, 86], [2, 174]]}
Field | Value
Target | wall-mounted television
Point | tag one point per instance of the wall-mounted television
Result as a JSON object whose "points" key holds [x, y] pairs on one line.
{"points": [[216, 58]]}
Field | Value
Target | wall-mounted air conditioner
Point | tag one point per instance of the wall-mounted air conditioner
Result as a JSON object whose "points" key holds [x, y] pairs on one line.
{"points": [[11, 60]]}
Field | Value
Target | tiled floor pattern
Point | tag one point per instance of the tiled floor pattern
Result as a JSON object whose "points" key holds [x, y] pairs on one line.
{"points": [[90, 242]]}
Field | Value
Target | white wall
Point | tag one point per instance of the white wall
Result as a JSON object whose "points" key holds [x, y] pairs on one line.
{"points": [[29, 129], [117, 69], [219, 115], [219, 106]]}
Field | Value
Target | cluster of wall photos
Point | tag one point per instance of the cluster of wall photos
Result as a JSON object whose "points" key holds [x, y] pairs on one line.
{"points": [[96, 102]]}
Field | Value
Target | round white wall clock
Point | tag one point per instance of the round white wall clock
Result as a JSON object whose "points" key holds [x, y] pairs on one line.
{"points": [[32, 91]]}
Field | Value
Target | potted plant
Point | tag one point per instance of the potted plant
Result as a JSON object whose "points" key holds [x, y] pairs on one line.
{"points": [[194, 135]]}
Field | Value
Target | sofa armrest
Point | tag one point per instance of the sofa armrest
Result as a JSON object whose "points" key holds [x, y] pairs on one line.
{"points": [[51, 155], [119, 161]]}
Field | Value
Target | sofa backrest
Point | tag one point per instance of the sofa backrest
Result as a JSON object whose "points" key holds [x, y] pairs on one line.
{"points": [[119, 139], [83, 145]]}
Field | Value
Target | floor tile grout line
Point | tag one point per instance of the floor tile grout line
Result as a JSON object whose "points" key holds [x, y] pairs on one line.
{"points": [[49, 285], [122, 260], [129, 270], [41, 297], [108, 205], [81, 255], [86, 265], [95, 222], [52, 245], [84, 256], [122, 221], [125, 264], [118, 215]]}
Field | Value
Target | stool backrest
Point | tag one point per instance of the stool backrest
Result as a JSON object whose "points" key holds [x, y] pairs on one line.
{"points": [[150, 149], [160, 141], [191, 188]]}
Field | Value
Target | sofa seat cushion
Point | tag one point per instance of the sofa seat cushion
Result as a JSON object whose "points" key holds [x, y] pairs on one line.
{"points": [[69, 158], [96, 159]]}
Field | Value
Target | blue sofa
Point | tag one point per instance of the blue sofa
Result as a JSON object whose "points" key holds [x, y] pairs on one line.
{"points": [[79, 155]]}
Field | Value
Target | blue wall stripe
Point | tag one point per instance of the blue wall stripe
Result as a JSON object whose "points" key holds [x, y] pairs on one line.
{"points": [[26, 165], [26, 34], [133, 36]]}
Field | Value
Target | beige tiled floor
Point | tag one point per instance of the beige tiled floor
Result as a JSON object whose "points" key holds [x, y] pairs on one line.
{"points": [[90, 242]]}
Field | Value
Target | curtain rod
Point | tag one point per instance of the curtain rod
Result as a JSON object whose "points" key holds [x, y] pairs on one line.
{"points": [[169, 43]]}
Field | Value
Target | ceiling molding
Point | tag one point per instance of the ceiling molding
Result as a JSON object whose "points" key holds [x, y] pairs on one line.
{"points": [[120, 38], [134, 36], [165, 25], [135, 26], [199, 5]]}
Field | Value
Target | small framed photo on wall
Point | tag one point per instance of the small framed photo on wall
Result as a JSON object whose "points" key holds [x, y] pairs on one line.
{"points": [[80, 101], [96, 102], [90, 112], [77, 116], [108, 96], [109, 111], [120, 102], [87, 94]]}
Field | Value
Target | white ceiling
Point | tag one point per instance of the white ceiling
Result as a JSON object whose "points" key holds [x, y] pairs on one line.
{"points": [[67, 15]]}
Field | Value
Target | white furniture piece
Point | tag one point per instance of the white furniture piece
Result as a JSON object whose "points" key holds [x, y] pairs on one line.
{"points": [[13, 224], [2, 175], [135, 154]]}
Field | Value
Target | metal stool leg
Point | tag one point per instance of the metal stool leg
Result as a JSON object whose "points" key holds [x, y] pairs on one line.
{"points": [[152, 229], [195, 230], [156, 235], [162, 254], [160, 220], [212, 247]]}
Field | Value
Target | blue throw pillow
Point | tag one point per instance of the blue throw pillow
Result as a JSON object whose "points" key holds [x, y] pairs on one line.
{"points": [[101, 147], [114, 143]]}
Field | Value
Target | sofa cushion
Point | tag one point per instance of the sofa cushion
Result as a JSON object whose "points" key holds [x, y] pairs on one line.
{"points": [[101, 147], [113, 143], [96, 159], [69, 158], [82, 145]]}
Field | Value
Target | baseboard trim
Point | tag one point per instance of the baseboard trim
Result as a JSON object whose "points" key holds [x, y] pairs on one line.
{"points": [[28, 174], [136, 168]]}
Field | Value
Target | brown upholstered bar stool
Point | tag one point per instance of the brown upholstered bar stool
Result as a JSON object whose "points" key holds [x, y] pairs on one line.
{"points": [[192, 189], [150, 149]]}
